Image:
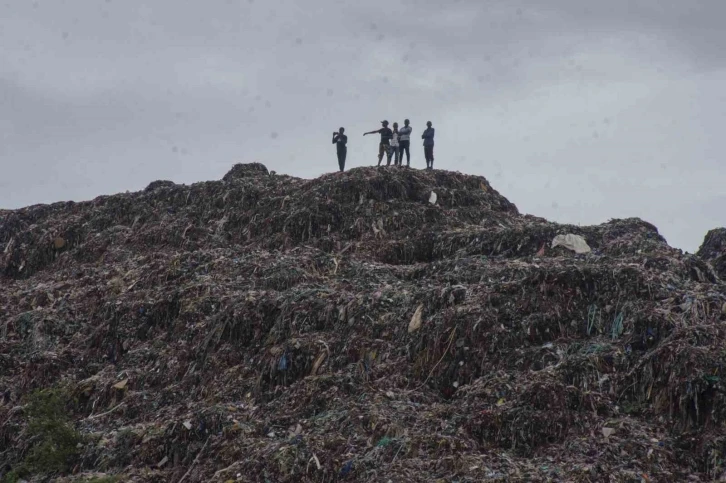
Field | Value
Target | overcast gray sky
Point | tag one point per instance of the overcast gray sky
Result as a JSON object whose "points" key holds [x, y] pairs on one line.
{"points": [[576, 110]]}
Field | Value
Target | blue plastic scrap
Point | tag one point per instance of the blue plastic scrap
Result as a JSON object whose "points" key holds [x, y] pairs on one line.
{"points": [[346, 468], [282, 365]]}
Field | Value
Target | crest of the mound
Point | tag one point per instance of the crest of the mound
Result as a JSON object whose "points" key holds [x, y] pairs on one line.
{"points": [[246, 170], [162, 183], [399, 187]]}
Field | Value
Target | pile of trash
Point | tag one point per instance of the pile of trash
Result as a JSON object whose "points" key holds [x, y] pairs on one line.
{"points": [[713, 249], [375, 325]]}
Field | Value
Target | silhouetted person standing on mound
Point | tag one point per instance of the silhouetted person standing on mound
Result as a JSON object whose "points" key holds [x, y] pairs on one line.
{"points": [[385, 144], [340, 140], [428, 143], [393, 151], [404, 142]]}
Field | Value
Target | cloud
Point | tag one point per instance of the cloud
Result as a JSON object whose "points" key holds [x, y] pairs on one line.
{"points": [[578, 111]]}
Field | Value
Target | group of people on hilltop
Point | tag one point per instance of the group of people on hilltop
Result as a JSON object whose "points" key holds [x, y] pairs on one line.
{"points": [[393, 144]]}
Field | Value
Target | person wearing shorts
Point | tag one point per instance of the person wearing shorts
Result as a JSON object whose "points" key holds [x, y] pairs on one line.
{"points": [[385, 144]]}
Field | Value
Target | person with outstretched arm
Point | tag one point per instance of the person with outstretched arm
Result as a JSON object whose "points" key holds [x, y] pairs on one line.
{"points": [[340, 140], [404, 142], [428, 143], [385, 144]]}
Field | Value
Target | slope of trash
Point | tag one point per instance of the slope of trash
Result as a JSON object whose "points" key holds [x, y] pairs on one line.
{"points": [[374, 325], [713, 249]]}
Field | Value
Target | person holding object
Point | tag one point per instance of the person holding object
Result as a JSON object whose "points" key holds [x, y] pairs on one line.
{"points": [[428, 143], [385, 144], [404, 142], [340, 140], [393, 151]]}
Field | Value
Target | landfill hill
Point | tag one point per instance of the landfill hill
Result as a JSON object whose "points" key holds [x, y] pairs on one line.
{"points": [[353, 327]]}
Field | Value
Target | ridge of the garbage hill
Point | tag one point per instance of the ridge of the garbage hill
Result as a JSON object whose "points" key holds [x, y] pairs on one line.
{"points": [[374, 325]]}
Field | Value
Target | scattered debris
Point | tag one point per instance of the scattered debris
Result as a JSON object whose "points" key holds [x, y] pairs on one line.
{"points": [[415, 323], [121, 385]]}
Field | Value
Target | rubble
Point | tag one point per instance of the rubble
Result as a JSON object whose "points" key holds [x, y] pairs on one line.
{"points": [[347, 328]]}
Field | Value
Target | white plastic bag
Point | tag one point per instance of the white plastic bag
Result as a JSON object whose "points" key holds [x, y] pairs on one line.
{"points": [[572, 242]]}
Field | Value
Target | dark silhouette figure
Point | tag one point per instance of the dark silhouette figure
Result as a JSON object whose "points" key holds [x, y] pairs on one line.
{"points": [[340, 140], [428, 137], [385, 144], [404, 142]]}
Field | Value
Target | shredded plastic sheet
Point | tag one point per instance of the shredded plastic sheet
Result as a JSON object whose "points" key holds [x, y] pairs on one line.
{"points": [[572, 242]]}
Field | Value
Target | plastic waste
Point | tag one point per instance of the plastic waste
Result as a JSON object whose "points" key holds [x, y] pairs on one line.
{"points": [[573, 242]]}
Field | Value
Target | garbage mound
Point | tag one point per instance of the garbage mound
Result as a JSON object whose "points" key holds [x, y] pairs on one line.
{"points": [[375, 325], [713, 249]]}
